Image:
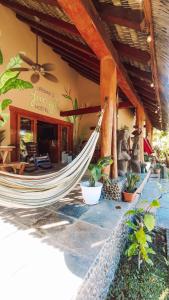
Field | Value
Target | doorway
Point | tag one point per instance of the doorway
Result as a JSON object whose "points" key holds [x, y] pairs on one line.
{"points": [[47, 140], [52, 136]]}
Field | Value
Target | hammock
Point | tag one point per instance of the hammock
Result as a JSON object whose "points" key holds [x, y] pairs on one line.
{"points": [[39, 191]]}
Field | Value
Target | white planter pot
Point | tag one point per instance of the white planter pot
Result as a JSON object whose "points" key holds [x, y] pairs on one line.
{"points": [[91, 195]]}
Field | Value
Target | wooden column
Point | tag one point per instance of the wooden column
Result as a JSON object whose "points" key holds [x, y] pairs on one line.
{"points": [[149, 130], [108, 86], [140, 124]]}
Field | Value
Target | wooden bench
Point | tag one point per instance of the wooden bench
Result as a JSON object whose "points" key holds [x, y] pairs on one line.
{"points": [[16, 166]]}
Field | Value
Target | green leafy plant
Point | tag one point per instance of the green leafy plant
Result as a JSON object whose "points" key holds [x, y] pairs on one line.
{"points": [[96, 170], [75, 119], [10, 80], [132, 180], [140, 237], [157, 166]]}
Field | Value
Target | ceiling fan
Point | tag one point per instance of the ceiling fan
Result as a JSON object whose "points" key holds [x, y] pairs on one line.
{"points": [[37, 69]]}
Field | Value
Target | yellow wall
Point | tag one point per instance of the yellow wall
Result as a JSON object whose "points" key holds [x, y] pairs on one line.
{"points": [[46, 97]]}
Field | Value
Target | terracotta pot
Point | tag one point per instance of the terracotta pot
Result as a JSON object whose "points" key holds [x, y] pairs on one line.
{"points": [[157, 171], [129, 197]]}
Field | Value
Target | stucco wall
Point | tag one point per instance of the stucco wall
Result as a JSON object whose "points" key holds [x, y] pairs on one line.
{"points": [[46, 97]]}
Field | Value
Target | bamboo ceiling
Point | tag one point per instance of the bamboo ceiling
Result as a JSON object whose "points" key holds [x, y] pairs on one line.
{"points": [[125, 23]]}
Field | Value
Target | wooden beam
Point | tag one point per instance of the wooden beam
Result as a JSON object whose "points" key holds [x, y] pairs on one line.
{"points": [[86, 19], [147, 4], [81, 111], [92, 109], [81, 62], [141, 83], [40, 29], [132, 52], [74, 56], [108, 90], [59, 38], [56, 23], [140, 125], [112, 14], [83, 68], [138, 72]]}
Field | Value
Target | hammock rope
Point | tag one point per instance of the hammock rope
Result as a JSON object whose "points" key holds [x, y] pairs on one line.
{"points": [[21, 191]]}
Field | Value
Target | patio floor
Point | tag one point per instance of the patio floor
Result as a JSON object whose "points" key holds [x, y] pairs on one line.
{"points": [[45, 253]]}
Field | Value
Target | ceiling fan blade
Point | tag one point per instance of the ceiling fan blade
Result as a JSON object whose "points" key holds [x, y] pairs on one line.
{"points": [[50, 77], [26, 59], [35, 77], [19, 69], [48, 67]]}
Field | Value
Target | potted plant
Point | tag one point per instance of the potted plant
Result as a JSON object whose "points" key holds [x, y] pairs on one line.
{"points": [[157, 168], [131, 187], [91, 189]]}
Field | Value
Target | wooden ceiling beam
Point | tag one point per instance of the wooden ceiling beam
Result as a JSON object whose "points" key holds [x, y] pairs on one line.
{"points": [[61, 49], [138, 72], [60, 39], [141, 83], [147, 5], [56, 23], [39, 29], [83, 68], [85, 17], [132, 52], [81, 63], [92, 109], [82, 60], [146, 93], [112, 14]]}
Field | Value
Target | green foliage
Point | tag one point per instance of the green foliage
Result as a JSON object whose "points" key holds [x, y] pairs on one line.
{"points": [[132, 180], [150, 283], [95, 170], [8, 81], [140, 238], [67, 96], [1, 57]]}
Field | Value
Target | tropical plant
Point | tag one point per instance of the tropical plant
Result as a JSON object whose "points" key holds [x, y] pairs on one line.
{"points": [[132, 180], [75, 119], [140, 236], [10, 80], [96, 170]]}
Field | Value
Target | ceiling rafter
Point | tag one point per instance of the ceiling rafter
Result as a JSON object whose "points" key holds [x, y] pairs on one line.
{"points": [[138, 72], [92, 109], [85, 17], [60, 39], [56, 23], [112, 14], [132, 52]]}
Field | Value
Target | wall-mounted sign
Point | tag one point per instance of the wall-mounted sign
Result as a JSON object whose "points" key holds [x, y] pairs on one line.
{"points": [[44, 101]]}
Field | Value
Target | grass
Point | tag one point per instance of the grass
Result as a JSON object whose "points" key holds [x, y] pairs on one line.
{"points": [[150, 283]]}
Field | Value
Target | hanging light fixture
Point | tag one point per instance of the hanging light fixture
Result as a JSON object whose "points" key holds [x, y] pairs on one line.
{"points": [[149, 39]]}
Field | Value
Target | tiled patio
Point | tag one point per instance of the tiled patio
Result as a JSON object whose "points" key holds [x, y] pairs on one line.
{"points": [[50, 250]]}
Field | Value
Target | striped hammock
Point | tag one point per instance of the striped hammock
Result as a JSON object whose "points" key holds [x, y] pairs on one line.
{"points": [[38, 191]]}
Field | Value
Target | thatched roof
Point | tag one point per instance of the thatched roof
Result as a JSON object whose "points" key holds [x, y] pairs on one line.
{"points": [[130, 40]]}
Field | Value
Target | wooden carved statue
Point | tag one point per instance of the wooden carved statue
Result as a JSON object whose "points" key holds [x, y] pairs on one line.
{"points": [[123, 156], [135, 164]]}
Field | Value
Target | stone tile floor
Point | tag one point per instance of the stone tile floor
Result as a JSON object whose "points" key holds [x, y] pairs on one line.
{"points": [[158, 188], [45, 253]]}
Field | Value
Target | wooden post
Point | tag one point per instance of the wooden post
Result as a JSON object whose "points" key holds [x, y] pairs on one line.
{"points": [[149, 130], [140, 124], [108, 86]]}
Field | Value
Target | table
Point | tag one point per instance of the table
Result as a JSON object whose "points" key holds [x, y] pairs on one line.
{"points": [[4, 152], [15, 166]]}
